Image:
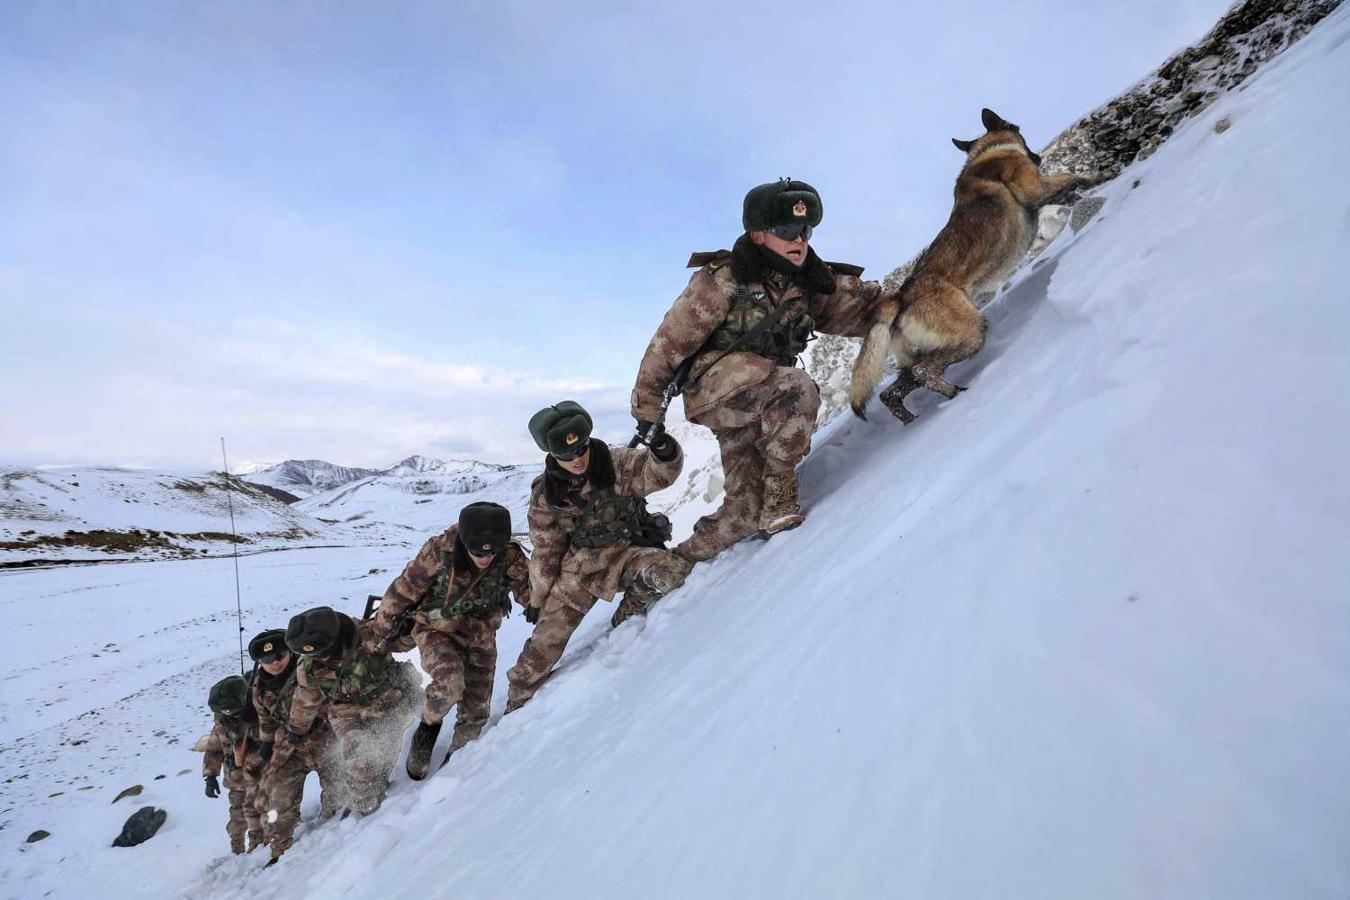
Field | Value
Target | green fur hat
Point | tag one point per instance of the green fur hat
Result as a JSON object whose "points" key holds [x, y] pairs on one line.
{"points": [[561, 427], [781, 202]]}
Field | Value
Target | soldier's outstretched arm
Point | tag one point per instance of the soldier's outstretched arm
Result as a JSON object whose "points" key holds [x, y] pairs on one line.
{"points": [[518, 574], [646, 471], [697, 312], [851, 310], [407, 589], [214, 757], [306, 704], [267, 723], [549, 546]]}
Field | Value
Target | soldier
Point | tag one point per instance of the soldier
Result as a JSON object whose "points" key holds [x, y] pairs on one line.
{"points": [[454, 594], [592, 535], [369, 699], [233, 745], [741, 323], [282, 787]]}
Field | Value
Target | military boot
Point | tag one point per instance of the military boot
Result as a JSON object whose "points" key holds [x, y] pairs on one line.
{"points": [[780, 511], [419, 754], [636, 598]]}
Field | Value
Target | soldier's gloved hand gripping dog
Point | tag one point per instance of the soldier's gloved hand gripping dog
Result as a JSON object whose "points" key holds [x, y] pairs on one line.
{"points": [[739, 326], [592, 535]]}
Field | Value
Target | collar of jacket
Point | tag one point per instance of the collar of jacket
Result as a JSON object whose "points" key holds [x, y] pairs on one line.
{"points": [[749, 265], [559, 484]]}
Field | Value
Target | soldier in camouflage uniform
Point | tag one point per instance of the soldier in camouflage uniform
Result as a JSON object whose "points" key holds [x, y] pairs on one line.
{"points": [[368, 697], [592, 535], [233, 746], [281, 788], [453, 595], [743, 319]]}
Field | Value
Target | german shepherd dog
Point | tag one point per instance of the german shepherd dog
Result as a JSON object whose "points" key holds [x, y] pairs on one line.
{"points": [[932, 323]]}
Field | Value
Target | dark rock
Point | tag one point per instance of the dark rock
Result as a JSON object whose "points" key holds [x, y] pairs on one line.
{"points": [[37, 836], [140, 826]]}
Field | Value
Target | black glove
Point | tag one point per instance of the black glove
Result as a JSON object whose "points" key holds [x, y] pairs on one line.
{"points": [[650, 432], [532, 615], [212, 786], [664, 447]]}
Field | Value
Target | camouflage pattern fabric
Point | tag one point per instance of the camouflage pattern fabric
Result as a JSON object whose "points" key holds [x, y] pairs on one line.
{"points": [[583, 574], [242, 785], [762, 413], [568, 603], [462, 670], [761, 430], [703, 308], [370, 736], [282, 787]]}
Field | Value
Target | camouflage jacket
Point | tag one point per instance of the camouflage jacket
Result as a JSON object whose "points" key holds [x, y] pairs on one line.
{"points": [[705, 305], [632, 472], [272, 699], [454, 598], [356, 682], [232, 744]]}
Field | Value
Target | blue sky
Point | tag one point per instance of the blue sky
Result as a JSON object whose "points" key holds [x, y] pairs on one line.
{"points": [[361, 231]]}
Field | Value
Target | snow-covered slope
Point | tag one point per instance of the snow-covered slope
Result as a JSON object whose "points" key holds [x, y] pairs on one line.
{"points": [[1082, 632], [90, 513]]}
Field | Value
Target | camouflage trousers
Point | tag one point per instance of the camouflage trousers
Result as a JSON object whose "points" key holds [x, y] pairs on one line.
{"points": [[568, 603], [763, 430], [244, 817], [461, 675], [282, 789], [368, 740]]}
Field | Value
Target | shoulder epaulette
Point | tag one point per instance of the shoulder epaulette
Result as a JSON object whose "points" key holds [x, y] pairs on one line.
{"points": [[713, 259], [846, 269]]}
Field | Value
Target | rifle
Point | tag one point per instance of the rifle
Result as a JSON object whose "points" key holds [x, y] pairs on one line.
{"points": [[399, 628], [673, 390]]}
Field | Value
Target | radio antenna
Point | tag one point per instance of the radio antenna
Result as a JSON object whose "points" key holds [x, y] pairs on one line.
{"points": [[234, 543]]}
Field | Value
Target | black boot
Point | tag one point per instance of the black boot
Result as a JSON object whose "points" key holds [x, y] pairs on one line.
{"points": [[419, 754], [636, 598]]}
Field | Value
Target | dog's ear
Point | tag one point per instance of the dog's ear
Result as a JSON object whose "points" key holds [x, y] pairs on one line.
{"points": [[994, 122], [963, 146]]}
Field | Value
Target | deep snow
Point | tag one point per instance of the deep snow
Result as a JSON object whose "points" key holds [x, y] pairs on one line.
{"points": [[1081, 632]]}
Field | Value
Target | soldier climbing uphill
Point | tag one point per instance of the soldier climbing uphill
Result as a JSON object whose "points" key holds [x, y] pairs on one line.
{"points": [[738, 329], [592, 535], [233, 746], [369, 698], [274, 684], [453, 596]]}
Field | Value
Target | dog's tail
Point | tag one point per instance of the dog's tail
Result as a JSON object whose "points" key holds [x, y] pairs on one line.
{"points": [[870, 365]]}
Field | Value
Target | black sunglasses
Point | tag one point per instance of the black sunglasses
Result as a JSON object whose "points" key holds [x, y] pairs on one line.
{"points": [[569, 455], [791, 232]]}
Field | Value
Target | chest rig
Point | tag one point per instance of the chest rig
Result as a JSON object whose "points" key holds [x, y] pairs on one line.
{"points": [[485, 594], [781, 340]]}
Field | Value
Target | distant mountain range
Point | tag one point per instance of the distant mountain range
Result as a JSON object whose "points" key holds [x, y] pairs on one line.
{"points": [[301, 478]]}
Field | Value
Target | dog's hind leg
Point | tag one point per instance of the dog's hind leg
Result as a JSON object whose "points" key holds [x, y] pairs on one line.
{"points": [[894, 396], [928, 371]]}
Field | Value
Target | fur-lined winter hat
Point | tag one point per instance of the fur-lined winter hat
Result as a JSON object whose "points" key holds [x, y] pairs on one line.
{"points": [[228, 696], [562, 428], [485, 527], [314, 631], [781, 202], [268, 646]]}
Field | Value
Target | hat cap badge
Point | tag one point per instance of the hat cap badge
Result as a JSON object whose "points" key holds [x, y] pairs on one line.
{"points": [[572, 438], [308, 648], [799, 208], [267, 647]]}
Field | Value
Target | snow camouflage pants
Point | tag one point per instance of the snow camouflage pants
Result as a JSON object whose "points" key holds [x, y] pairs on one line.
{"points": [[460, 675], [762, 430], [244, 815], [368, 740], [568, 604], [283, 789]]}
